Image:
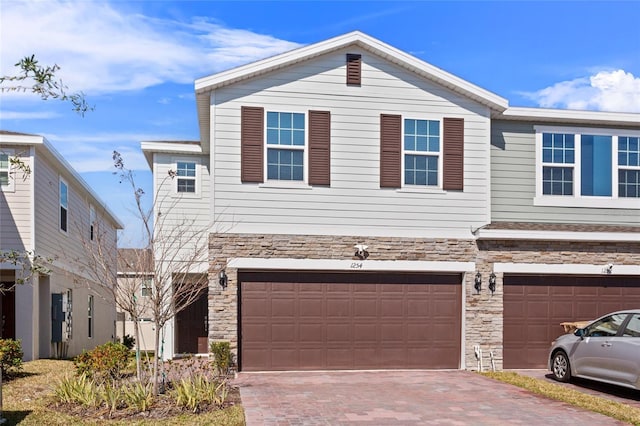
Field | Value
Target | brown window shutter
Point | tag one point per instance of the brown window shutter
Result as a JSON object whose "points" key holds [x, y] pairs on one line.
{"points": [[390, 150], [354, 69], [453, 160], [319, 148], [251, 141]]}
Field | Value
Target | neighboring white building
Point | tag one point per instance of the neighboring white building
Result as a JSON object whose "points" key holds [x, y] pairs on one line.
{"points": [[53, 212], [484, 224]]}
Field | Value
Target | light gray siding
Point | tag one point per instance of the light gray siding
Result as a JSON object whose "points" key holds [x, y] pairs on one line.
{"points": [[16, 205], [354, 204], [513, 184]]}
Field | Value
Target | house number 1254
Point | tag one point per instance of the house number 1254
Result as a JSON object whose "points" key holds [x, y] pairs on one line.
{"points": [[356, 265]]}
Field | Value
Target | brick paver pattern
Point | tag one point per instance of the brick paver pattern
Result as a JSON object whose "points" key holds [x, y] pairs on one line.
{"points": [[399, 398]]}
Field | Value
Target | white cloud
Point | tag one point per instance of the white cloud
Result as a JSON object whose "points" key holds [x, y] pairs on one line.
{"points": [[102, 49], [617, 91], [21, 115]]}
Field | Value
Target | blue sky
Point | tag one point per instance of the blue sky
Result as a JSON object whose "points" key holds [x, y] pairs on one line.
{"points": [[137, 61]]}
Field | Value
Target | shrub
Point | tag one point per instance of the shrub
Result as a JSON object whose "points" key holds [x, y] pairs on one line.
{"points": [[222, 356], [129, 341], [77, 390], [192, 392], [104, 362], [138, 396], [10, 355]]}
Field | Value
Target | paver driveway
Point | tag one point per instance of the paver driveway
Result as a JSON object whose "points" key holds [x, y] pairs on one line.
{"points": [[399, 397]]}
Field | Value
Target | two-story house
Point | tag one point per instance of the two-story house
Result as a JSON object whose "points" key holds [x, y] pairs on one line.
{"points": [[52, 212], [369, 210]]}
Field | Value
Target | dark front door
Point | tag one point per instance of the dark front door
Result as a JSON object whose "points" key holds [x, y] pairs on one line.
{"points": [[191, 325], [8, 313]]}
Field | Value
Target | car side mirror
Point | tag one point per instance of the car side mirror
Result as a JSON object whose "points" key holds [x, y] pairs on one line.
{"points": [[580, 332]]}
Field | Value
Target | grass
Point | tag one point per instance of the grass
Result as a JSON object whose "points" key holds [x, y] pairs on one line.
{"points": [[26, 399], [614, 409]]}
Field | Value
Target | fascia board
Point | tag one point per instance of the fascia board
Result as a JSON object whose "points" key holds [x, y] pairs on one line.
{"points": [[507, 234], [366, 42], [571, 116], [171, 147]]}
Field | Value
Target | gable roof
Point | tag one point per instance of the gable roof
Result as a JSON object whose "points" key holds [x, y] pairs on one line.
{"points": [[205, 85], [44, 147]]}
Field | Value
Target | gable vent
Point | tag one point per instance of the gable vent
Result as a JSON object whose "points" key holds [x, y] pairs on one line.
{"points": [[354, 67], [251, 141]]}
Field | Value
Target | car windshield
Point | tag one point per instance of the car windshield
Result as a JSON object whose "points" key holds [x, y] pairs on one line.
{"points": [[606, 327]]}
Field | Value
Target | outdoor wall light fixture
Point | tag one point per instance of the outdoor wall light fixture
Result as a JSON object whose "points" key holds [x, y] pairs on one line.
{"points": [[492, 282], [478, 282], [222, 279]]}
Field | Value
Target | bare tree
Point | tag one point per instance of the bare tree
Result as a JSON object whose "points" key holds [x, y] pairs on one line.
{"points": [[180, 252]]}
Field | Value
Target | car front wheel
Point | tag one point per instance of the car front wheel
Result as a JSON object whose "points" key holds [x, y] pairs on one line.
{"points": [[560, 367]]}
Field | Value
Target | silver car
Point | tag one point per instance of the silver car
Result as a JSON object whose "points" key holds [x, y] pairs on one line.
{"points": [[607, 350]]}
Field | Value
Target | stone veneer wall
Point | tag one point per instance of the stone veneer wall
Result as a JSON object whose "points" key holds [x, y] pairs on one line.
{"points": [[483, 312]]}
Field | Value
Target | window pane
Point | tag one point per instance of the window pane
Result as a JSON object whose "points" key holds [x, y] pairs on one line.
{"points": [[633, 327], [298, 121], [286, 120], [546, 140], [434, 144], [63, 194], [298, 137], [409, 143], [285, 137], [272, 119], [421, 177], [596, 174], [298, 172], [4, 161], [4, 178], [421, 170], [410, 127], [421, 143], [629, 183], [628, 151], [186, 169], [557, 181], [272, 136], [285, 164], [186, 185], [434, 128], [421, 127]]}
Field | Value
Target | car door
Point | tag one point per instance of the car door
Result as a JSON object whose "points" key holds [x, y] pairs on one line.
{"points": [[591, 356], [624, 354]]}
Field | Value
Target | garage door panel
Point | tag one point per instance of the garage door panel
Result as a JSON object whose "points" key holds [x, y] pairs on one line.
{"points": [[529, 330], [360, 320]]}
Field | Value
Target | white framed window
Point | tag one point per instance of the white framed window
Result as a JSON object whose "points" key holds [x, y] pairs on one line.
{"points": [[64, 205], [92, 223], [286, 143], [587, 167], [6, 180], [90, 322], [187, 179], [145, 289], [422, 153]]}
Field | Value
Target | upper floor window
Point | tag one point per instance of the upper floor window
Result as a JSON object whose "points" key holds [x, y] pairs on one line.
{"points": [[587, 167], [421, 152], [92, 223], [628, 166], [6, 182], [285, 146], [64, 205], [186, 173], [145, 290]]}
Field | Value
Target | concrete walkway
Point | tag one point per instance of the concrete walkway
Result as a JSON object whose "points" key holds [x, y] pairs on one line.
{"points": [[397, 398]]}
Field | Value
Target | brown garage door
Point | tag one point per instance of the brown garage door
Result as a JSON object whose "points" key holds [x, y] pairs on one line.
{"points": [[333, 321], [534, 307]]}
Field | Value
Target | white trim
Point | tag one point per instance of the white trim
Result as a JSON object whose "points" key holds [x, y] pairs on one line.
{"points": [[171, 147], [566, 268], [10, 186], [197, 178], [571, 116], [361, 40], [587, 201], [521, 234], [32, 198], [349, 265]]}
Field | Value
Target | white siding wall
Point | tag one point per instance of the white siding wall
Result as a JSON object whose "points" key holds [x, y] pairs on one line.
{"points": [[354, 204], [16, 206], [514, 184]]}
